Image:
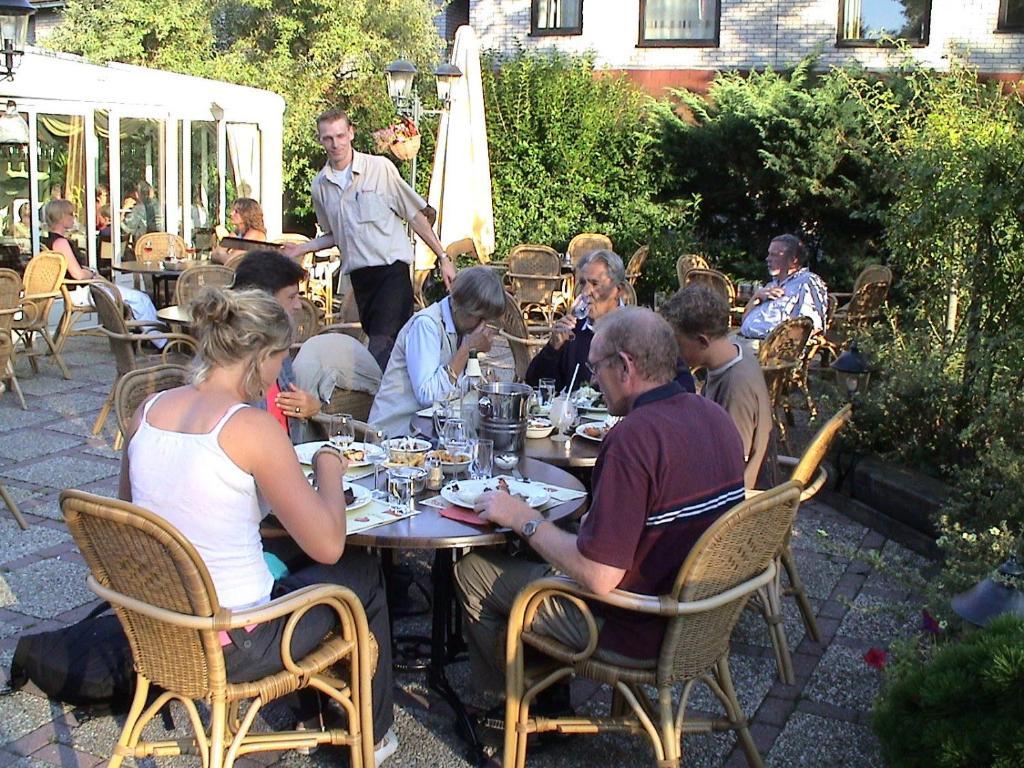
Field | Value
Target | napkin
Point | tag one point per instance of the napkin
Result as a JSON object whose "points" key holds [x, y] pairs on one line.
{"points": [[463, 515]]}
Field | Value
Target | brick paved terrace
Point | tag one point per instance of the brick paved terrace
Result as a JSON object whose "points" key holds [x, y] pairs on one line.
{"points": [[856, 579]]}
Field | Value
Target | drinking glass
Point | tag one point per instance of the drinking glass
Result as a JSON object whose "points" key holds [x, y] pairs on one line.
{"points": [[442, 412], [481, 459], [374, 444], [546, 392], [401, 487], [342, 430], [563, 416], [581, 307], [454, 436]]}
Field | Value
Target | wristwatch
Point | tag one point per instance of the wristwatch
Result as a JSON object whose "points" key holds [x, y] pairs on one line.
{"points": [[530, 527]]}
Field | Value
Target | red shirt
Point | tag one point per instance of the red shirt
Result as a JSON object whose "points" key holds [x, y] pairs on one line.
{"points": [[665, 473], [272, 407]]}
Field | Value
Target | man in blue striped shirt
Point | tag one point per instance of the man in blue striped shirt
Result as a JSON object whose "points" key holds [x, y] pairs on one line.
{"points": [[670, 468]]}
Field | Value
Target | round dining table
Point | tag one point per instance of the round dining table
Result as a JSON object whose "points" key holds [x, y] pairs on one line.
{"points": [[430, 530], [175, 315], [163, 274]]}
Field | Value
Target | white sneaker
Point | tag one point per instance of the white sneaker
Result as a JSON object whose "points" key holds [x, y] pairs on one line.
{"points": [[387, 747]]}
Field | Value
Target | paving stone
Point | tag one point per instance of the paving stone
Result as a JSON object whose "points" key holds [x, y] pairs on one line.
{"points": [[22, 713], [72, 403], [819, 573], [62, 472], [82, 426], [44, 505], [808, 740], [45, 589], [904, 570], [15, 542], [753, 629], [880, 620], [824, 530], [844, 679], [15, 418], [59, 754], [23, 444], [43, 385]]}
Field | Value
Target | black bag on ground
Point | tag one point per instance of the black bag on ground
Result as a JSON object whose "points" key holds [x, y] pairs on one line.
{"points": [[86, 663]]}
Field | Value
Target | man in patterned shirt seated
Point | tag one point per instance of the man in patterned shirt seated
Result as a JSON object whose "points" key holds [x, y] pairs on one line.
{"points": [[793, 291], [670, 468]]}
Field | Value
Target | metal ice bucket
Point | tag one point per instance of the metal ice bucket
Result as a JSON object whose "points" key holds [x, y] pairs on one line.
{"points": [[504, 408]]}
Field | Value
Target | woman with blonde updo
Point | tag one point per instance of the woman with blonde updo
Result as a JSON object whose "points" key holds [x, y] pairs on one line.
{"points": [[228, 459]]}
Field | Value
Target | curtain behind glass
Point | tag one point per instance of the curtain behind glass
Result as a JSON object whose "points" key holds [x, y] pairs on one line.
{"points": [[558, 14], [680, 19]]}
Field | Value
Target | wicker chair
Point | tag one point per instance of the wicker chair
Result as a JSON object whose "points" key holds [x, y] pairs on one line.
{"points": [[10, 305], [808, 472], [782, 355], [135, 386], [318, 289], [194, 279], [44, 275], [515, 333], [587, 242], [713, 279], [125, 337], [689, 261], [628, 294], [305, 321], [534, 277], [636, 264], [733, 559], [167, 605]]}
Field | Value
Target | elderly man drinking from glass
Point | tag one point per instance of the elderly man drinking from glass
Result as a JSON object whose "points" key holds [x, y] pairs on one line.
{"points": [[430, 354]]}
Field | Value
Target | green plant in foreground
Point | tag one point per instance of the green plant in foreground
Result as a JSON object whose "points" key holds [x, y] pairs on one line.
{"points": [[958, 704]]}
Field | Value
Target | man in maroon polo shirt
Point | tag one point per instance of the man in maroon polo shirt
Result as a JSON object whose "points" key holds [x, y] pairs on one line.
{"points": [[668, 470]]}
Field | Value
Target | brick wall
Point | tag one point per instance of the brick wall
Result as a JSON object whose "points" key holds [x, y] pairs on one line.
{"points": [[753, 33]]}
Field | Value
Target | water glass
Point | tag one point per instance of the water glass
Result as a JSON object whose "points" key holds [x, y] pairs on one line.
{"points": [[401, 487], [342, 430], [442, 412], [374, 445], [581, 307], [454, 436], [545, 392], [481, 459], [563, 416]]}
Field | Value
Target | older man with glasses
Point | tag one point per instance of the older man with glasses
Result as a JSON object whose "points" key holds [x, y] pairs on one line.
{"points": [[665, 472]]}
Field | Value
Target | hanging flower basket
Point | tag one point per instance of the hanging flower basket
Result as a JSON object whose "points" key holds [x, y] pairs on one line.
{"points": [[401, 139]]}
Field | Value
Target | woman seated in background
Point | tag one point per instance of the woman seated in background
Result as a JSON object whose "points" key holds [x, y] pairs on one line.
{"points": [[247, 220], [230, 461], [432, 349], [60, 218]]}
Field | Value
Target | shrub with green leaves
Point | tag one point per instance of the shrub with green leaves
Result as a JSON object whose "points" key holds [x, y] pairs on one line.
{"points": [[958, 704]]}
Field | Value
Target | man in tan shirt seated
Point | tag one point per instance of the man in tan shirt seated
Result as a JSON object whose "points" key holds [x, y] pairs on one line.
{"points": [[700, 319]]}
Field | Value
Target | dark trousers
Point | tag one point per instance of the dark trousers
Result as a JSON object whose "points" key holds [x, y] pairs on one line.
{"points": [[258, 653], [384, 298]]}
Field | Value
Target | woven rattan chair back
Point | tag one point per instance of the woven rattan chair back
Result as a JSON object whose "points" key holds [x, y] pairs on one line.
{"points": [[736, 548], [135, 386], [873, 273], [194, 279], [138, 554], [350, 401], [10, 299], [636, 264], [466, 247], [713, 279], [156, 246], [530, 259], [866, 304], [111, 314], [514, 326], [787, 342], [43, 274], [587, 242], [235, 260], [689, 261], [305, 320]]}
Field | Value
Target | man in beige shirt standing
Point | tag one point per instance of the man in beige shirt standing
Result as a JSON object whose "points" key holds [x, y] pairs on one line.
{"points": [[362, 204]]}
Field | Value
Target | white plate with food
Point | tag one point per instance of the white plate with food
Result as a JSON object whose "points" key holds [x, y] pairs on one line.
{"points": [[407, 451], [464, 493], [589, 400], [359, 496], [358, 454], [594, 430], [452, 462], [537, 427]]}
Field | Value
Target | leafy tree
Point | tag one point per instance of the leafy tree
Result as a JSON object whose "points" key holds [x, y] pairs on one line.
{"points": [[314, 53]]}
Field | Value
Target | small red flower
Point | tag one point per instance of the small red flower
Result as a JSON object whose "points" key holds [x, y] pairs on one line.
{"points": [[929, 623], [876, 658]]}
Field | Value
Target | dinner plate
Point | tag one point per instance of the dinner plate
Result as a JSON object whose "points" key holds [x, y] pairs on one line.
{"points": [[305, 451], [604, 428], [363, 497], [464, 492]]}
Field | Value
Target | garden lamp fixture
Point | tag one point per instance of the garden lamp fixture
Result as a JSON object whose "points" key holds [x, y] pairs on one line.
{"points": [[14, 31], [998, 594], [446, 74], [400, 74], [13, 128], [852, 372]]}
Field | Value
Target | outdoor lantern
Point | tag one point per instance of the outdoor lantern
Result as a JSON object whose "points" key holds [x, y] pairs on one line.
{"points": [[13, 128], [14, 29], [446, 75], [400, 74], [993, 596], [852, 372]]}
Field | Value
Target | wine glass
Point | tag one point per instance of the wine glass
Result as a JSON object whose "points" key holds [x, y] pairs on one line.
{"points": [[374, 446], [342, 431], [563, 416], [481, 463], [442, 412], [581, 307], [455, 437]]}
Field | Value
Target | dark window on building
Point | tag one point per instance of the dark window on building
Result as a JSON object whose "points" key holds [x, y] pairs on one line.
{"points": [[556, 17], [1011, 14], [679, 22], [865, 22]]}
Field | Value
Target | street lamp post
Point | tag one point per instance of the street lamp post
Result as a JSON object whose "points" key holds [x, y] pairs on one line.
{"points": [[14, 31]]}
